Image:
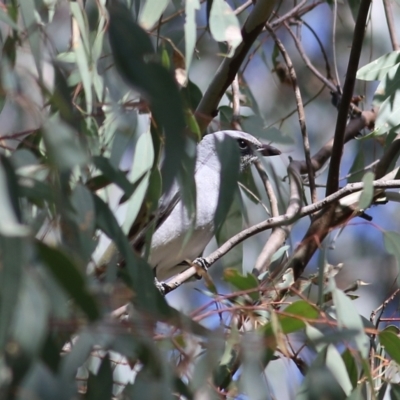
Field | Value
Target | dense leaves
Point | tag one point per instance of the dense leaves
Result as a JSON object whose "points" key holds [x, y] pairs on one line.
{"points": [[98, 121]]}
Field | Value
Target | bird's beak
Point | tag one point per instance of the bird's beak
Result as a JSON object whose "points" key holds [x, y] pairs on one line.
{"points": [[266, 150]]}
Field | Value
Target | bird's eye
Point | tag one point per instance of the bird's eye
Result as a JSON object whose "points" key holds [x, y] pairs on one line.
{"points": [[242, 144]]}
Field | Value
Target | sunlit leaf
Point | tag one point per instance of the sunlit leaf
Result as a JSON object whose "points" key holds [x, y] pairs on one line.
{"points": [[377, 69], [190, 30], [388, 86], [151, 12], [224, 25], [279, 253]]}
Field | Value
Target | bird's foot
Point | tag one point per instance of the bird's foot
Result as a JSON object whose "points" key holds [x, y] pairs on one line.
{"points": [[201, 265], [162, 287]]}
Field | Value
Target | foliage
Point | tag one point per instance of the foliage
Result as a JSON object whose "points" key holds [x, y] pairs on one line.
{"points": [[85, 123]]}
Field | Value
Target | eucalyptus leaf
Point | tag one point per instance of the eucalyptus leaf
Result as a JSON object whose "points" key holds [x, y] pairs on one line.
{"points": [[377, 69], [367, 193], [190, 30], [69, 278], [224, 25], [151, 12]]}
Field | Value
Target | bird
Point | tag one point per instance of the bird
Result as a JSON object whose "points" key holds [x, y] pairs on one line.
{"points": [[171, 252]]}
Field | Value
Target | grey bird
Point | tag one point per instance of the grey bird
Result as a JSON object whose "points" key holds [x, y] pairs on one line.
{"points": [[170, 249]]}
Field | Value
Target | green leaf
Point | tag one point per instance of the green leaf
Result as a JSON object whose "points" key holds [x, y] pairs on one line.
{"points": [[4, 17], [151, 12], [391, 342], [388, 115], [300, 310], [62, 143], [357, 168], [242, 282], [356, 394], [82, 56], [99, 387], [190, 30], [320, 382], [279, 253], [354, 7], [394, 391], [28, 15], [12, 260], [376, 70], [336, 365], [31, 315], [351, 367], [388, 86], [10, 224], [142, 163], [224, 25], [349, 318], [367, 193], [116, 176], [69, 278], [392, 244], [134, 59]]}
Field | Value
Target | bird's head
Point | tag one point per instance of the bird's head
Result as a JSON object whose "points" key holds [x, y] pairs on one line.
{"points": [[249, 146]]}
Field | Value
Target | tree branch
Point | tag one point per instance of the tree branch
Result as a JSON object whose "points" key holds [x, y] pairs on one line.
{"points": [[334, 168]]}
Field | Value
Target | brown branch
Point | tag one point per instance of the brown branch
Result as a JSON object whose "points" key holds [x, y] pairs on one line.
{"points": [[334, 168], [300, 111], [390, 23]]}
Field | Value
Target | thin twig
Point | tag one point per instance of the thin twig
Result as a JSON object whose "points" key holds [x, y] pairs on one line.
{"points": [[390, 23], [308, 63], [268, 188], [322, 48], [334, 168], [334, 44], [236, 104], [300, 111]]}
